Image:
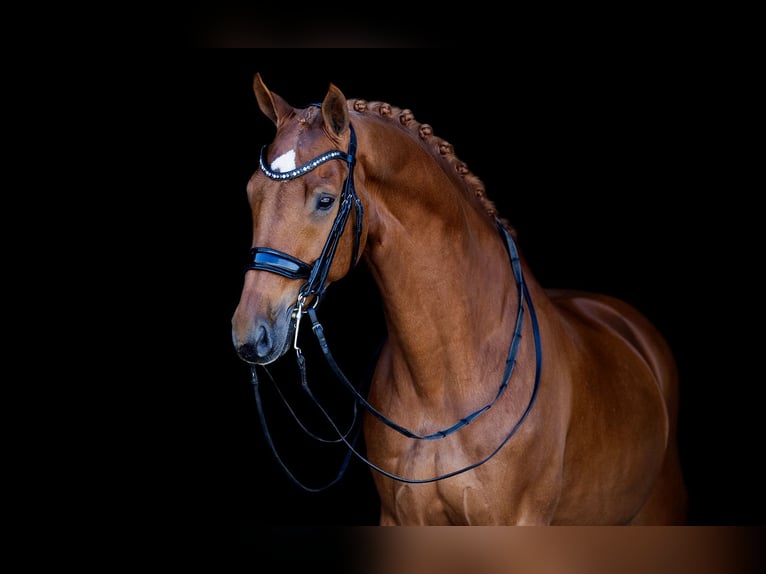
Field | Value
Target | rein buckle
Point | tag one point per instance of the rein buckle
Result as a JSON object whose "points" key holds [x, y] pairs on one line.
{"points": [[296, 316]]}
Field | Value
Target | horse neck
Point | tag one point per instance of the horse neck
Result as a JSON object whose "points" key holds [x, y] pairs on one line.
{"points": [[441, 267]]}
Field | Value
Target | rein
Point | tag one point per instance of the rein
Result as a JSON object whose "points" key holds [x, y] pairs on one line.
{"points": [[279, 262], [510, 362]]}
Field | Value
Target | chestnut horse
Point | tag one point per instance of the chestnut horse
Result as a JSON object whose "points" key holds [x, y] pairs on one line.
{"points": [[494, 401]]}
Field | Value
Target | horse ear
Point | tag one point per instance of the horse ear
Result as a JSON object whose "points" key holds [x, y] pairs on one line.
{"points": [[335, 111], [270, 103]]}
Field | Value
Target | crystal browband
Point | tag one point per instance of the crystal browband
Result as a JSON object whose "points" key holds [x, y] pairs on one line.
{"points": [[306, 167]]}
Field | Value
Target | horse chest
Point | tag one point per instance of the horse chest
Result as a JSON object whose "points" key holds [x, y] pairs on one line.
{"points": [[451, 502], [459, 500]]}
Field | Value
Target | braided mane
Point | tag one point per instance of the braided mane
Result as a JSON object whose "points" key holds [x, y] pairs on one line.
{"points": [[440, 148]]}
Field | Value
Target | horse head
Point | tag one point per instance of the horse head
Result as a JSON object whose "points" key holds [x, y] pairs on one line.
{"points": [[301, 198]]}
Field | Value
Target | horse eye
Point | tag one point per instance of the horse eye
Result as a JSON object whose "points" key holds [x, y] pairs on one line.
{"points": [[324, 202]]}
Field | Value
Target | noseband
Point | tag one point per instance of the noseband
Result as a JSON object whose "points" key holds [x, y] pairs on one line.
{"points": [[281, 263]]}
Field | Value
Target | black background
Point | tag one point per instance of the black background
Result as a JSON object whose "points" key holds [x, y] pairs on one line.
{"points": [[616, 172]]}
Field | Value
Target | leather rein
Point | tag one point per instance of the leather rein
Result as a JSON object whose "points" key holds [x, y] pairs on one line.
{"points": [[315, 275]]}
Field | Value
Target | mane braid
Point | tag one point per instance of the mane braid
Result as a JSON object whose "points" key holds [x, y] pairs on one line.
{"points": [[439, 148]]}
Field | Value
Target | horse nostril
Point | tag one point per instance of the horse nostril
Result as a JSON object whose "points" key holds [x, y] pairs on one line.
{"points": [[263, 341], [257, 348]]}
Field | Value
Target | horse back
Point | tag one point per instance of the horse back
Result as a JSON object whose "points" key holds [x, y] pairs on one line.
{"points": [[630, 330]]}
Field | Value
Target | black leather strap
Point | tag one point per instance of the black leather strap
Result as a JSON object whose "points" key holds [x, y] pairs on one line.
{"points": [[266, 259]]}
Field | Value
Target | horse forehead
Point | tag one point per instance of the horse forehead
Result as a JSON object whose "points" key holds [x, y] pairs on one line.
{"points": [[298, 142], [284, 161], [295, 145]]}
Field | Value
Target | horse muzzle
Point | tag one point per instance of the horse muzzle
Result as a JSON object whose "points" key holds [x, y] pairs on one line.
{"points": [[259, 340]]}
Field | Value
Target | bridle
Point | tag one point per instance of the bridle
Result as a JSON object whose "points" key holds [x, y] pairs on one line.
{"points": [[315, 275], [275, 261]]}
